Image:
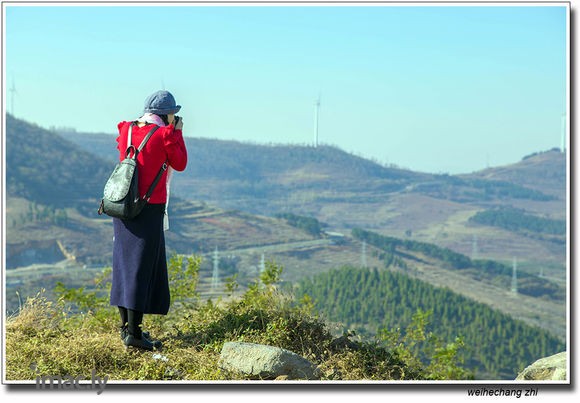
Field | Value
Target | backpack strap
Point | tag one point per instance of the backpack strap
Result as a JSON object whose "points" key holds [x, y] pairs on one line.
{"points": [[155, 181], [155, 127], [145, 140], [138, 150]]}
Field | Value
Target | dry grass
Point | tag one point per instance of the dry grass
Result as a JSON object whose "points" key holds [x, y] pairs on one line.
{"points": [[47, 339], [42, 340]]}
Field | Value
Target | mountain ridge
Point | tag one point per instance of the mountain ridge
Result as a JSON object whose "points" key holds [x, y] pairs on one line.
{"points": [[340, 190], [221, 171]]}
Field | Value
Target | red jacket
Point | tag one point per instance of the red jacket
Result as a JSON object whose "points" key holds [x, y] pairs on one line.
{"points": [[166, 144]]}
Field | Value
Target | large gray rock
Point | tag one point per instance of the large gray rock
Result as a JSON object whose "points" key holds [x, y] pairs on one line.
{"points": [[551, 368], [258, 361]]}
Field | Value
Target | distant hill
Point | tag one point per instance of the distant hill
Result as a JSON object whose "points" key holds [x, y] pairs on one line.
{"points": [[47, 169], [248, 202], [53, 187], [337, 188], [343, 191], [542, 171], [273, 179], [53, 193], [347, 191], [270, 179]]}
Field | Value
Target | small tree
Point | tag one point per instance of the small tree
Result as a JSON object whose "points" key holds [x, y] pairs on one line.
{"points": [[442, 360]]}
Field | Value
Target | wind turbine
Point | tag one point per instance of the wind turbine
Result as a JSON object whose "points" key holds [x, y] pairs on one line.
{"points": [[12, 91], [316, 111], [563, 133]]}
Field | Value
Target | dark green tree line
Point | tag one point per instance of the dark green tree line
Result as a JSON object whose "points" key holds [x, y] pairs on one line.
{"points": [[514, 219], [481, 269]]}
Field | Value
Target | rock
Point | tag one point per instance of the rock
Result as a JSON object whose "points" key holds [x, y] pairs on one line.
{"points": [[551, 368], [343, 343], [258, 361]]}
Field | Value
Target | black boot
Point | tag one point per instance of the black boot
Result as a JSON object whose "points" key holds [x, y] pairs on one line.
{"points": [[125, 333], [125, 327], [124, 316], [134, 337], [144, 344]]}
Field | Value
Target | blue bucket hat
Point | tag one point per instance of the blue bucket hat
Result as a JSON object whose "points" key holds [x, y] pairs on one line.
{"points": [[161, 103]]}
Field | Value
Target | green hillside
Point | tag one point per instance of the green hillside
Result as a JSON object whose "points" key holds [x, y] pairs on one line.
{"points": [[371, 300], [47, 169], [518, 220]]}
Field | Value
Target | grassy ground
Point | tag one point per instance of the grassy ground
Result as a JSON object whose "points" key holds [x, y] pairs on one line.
{"points": [[47, 338]]}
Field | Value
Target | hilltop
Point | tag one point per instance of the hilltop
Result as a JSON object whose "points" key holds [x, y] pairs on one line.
{"points": [[541, 171]]}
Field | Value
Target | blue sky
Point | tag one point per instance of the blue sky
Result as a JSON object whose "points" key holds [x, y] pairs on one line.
{"points": [[433, 88]]}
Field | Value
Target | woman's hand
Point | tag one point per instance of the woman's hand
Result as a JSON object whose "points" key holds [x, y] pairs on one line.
{"points": [[179, 123]]}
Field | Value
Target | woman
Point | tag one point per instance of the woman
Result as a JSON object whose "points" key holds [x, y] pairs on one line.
{"points": [[140, 283]]}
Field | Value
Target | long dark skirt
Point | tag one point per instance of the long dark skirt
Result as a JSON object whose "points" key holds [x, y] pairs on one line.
{"points": [[139, 263]]}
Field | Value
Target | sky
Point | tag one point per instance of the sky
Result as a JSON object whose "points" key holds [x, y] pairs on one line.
{"points": [[430, 87]]}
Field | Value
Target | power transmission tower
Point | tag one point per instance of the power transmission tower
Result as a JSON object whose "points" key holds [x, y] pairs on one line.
{"points": [[515, 276], [474, 250], [262, 264], [215, 274], [364, 254], [262, 270]]}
